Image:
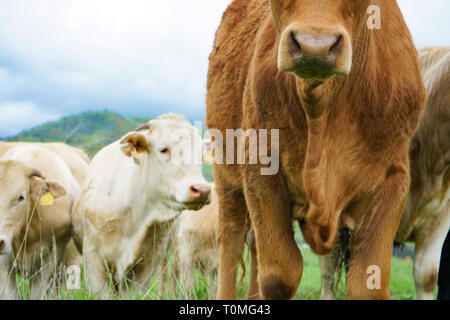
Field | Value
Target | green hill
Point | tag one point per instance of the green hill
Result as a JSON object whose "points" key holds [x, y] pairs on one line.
{"points": [[90, 131]]}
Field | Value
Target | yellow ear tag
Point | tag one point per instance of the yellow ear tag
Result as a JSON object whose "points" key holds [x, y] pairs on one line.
{"points": [[47, 200], [136, 157]]}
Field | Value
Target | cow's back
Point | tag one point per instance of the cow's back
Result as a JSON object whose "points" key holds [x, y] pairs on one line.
{"points": [[230, 61], [75, 158]]}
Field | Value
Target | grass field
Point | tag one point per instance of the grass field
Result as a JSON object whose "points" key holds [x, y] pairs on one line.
{"points": [[402, 284]]}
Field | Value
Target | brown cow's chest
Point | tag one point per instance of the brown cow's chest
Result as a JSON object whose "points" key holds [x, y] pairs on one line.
{"points": [[292, 160]]}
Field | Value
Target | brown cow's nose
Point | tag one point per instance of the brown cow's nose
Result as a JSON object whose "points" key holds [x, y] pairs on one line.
{"points": [[315, 52], [320, 49], [199, 192]]}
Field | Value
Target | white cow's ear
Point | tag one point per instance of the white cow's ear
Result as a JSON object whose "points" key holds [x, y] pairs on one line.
{"points": [[42, 188], [56, 189], [132, 143]]}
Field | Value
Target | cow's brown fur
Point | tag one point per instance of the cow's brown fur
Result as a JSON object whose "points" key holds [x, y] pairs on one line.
{"points": [[426, 216], [343, 143]]}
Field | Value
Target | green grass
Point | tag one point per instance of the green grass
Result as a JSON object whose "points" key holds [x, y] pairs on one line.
{"points": [[93, 130], [402, 283]]}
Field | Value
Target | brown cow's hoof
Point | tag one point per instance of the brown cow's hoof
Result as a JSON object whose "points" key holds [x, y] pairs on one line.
{"points": [[273, 288]]}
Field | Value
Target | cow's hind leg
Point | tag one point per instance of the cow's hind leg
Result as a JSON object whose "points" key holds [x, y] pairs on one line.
{"points": [[232, 229], [331, 265], [429, 241], [444, 271], [328, 267], [253, 292]]}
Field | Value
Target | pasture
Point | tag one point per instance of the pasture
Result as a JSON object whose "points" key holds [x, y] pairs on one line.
{"points": [[402, 283]]}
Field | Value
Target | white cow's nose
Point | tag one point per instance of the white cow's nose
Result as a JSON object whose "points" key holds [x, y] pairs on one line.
{"points": [[4, 245], [199, 193]]}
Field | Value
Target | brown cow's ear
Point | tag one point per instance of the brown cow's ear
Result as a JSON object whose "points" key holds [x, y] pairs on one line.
{"points": [[134, 142]]}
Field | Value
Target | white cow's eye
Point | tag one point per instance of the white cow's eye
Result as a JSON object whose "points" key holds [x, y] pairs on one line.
{"points": [[164, 150], [21, 199]]}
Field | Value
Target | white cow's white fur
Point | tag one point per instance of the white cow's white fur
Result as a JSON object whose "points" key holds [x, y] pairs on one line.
{"points": [[193, 246], [127, 205], [35, 235]]}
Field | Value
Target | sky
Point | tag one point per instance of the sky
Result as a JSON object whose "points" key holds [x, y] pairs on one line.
{"points": [[133, 57]]}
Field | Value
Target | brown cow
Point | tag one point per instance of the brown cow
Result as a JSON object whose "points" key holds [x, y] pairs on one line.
{"points": [[346, 100], [426, 217]]}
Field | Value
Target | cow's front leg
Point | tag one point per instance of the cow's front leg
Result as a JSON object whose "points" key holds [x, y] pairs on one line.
{"points": [[232, 229], [96, 273], [371, 241], [8, 290], [429, 242], [280, 262]]}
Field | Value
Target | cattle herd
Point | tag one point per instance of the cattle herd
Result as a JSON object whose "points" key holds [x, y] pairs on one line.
{"points": [[364, 156]]}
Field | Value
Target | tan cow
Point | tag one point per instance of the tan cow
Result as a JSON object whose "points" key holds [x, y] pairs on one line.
{"points": [[193, 247], [78, 162], [135, 189], [426, 216], [346, 99], [76, 159], [37, 191]]}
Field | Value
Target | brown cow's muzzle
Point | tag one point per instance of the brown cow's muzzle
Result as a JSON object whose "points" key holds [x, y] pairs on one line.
{"points": [[315, 52]]}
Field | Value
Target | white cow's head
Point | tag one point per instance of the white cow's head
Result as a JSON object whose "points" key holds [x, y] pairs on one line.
{"points": [[21, 189], [169, 150]]}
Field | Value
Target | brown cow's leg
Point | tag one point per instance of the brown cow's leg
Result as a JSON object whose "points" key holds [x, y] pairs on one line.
{"points": [[232, 229], [371, 242], [280, 262], [253, 288]]}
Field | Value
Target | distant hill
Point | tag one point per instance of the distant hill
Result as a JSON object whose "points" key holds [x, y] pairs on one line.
{"points": [[90, 131]]}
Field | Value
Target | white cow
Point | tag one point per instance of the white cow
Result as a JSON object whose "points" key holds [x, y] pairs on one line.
{"points": [[193, 247], [426, 216], [78, 162], [135, 189], [37, 191]]}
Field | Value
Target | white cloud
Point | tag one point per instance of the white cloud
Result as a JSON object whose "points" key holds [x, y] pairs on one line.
{"points": [[21, 115], [100, 44], [136, 57]]}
